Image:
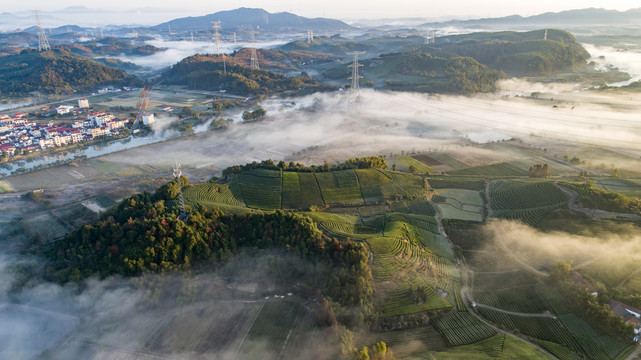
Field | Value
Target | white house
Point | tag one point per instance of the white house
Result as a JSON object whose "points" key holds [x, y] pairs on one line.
{"points": [[83, 103], [148, 118], [64, 109]]}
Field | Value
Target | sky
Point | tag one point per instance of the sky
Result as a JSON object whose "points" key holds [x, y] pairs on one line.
{"points": [[355, 9]]}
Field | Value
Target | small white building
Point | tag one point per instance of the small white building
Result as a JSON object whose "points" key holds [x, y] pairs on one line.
{"points": [[64, 109], [148, 118], [83, 103]]}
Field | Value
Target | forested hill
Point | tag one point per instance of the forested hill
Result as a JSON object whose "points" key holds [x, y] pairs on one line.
{"points": [[56, 71], [205, 72], [517, 53]]}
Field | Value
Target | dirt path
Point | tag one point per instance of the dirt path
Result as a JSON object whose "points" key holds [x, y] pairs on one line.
{"points": [[546, 314], [634, 354], [490, 211]]}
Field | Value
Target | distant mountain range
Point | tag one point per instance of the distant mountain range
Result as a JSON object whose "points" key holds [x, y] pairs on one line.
{"points": [[563, 19], [256, 19]]}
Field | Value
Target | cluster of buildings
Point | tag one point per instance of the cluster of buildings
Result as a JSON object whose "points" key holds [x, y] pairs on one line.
{"points": [[20, 135]]}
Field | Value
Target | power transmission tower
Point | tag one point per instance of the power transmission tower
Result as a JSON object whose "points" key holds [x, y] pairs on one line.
{"points": [[354, 98], [217, 42], [143, 102], [254, 55], [43, 43], [177, 174]]}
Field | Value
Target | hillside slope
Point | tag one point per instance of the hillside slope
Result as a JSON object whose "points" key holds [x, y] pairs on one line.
{"points": [[56, 71]]}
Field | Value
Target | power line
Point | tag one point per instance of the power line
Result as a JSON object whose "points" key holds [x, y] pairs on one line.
{"points": [[177, 174]]}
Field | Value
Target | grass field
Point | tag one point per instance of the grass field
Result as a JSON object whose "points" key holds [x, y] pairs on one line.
{"points": [[4, 187], [421, 168]]}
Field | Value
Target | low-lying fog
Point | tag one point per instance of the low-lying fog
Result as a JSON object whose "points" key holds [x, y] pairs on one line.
{"points": [[389, 122], [315, 129]]}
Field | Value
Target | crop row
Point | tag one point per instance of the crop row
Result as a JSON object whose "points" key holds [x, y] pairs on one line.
{"points": [[211, 194], [514, 196], [461, 328], [544, 328], [456, 183], [498, 169], [594, 345]]}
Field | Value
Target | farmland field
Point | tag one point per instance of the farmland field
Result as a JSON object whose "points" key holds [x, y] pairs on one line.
{"points": [[525, 201], [339, 187], [501, 347], [261, 188], [496, 170], [421, 168], [45, 226], [406, 342], [450, 182], [462, 328], [460, 204], [300, 190]]}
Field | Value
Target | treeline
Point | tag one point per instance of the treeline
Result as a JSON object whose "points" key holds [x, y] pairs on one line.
{"points": [[143, 234], [56, 71], [593, 198], [368, 162], [539, 171], [206, 72], [594, 309]]}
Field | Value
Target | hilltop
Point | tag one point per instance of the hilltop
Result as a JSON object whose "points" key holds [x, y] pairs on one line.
{"points": [[55, 71], [576, 17], [255, 18], [205, 72]]}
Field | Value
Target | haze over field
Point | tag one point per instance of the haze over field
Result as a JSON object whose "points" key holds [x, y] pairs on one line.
{"points": [[390, 212]]}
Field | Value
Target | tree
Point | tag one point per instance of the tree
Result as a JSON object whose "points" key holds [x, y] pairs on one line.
{"points": [[413, 169]]}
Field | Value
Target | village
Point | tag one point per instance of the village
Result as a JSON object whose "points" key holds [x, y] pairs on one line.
{"points": [[22, 134]]}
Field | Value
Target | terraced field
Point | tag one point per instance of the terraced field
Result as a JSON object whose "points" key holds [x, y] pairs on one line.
{"points": [[450, 182], [260, 188], [340, 187], [419, 206], [544, 328], [210, 195], [502, 347], [460, 204], [524, 299], [411, 186], [300, 190], [493, 170], [462, 328], [525, 201]]}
